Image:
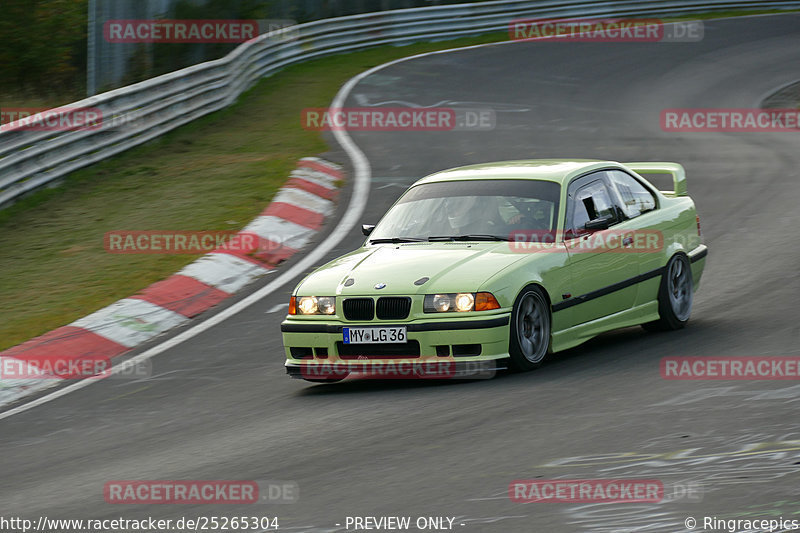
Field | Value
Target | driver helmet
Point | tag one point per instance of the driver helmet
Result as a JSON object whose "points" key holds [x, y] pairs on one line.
{"points": [[460, 210]]}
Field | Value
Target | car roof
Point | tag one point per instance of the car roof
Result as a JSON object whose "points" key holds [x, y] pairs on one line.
{"points": [[556, 170]]}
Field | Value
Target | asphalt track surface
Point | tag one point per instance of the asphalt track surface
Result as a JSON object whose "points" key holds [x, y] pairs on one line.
{"points": [[219, 406]]}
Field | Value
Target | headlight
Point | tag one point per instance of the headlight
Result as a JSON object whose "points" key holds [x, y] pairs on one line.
{"points": [[460, 302], [465, 302], [440, 302], [312, 305]]}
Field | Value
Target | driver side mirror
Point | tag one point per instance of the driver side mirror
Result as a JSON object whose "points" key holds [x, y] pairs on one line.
{"points": [[599, 223], [366, 229]]}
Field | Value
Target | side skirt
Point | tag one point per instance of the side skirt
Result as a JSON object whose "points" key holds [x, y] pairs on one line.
{"points": [[575, 335]]}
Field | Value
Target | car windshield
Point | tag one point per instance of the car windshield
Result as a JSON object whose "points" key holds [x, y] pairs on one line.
{"points": [[470, 210]]}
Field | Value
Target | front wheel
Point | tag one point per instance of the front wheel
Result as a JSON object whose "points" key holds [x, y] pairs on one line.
{"points": [[675, 296], [529, 341]]}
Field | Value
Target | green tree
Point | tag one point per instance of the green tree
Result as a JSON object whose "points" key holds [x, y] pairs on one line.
{"points": [[43, 45]]}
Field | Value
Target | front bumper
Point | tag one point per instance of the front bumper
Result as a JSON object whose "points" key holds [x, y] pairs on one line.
{"points": [[481, 338], [389, 369]]}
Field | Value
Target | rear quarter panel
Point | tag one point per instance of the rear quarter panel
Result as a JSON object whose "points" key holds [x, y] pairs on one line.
{"points": [[677, 226]]}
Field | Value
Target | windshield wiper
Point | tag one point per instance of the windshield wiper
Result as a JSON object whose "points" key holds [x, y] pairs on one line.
{"points": [[395, 240], [472, 237]]}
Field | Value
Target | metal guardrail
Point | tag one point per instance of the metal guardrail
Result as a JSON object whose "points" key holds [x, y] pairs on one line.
{"points": [[143, 111]]}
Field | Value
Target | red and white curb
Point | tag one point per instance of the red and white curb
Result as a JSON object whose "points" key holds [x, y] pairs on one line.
{"points": [[288, 224]]}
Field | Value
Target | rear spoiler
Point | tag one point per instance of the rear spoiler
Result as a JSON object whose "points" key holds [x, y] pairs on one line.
{"points": [[677, 171]]}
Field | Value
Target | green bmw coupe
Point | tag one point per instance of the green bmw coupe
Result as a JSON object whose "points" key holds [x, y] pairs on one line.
{"points": [[501, 264]]}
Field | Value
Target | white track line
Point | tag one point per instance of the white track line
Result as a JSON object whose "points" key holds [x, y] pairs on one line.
{"points": [[351, 216], [354, 211]]}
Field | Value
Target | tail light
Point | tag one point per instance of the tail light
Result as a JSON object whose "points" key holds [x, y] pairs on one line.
{"points": [[699, 233]]}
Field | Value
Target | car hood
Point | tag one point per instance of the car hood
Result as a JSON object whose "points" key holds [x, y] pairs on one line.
{"points": [[449, 267]]}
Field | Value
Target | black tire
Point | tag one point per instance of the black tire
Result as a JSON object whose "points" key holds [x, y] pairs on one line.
{"points": [[675, 296], [530, 328]]}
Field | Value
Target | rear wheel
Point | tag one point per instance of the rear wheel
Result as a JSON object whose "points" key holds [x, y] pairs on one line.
{"points": [[675, 296], [529, 339]]}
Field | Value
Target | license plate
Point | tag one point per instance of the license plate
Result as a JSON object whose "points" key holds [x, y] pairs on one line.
{"points": [[374, 335]]}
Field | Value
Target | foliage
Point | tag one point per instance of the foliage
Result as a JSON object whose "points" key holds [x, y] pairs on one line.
{"points": [[44, 44]]}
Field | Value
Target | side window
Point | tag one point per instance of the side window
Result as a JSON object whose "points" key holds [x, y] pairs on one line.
{"points": [[590, 201], [636, 199]]}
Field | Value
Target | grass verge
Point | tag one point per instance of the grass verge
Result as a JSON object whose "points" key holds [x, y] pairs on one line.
{"points": [[216, 173]]}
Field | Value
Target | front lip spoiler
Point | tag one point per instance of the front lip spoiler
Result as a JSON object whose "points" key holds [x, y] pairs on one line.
{"points": [[462, 368], [287, 327]]}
